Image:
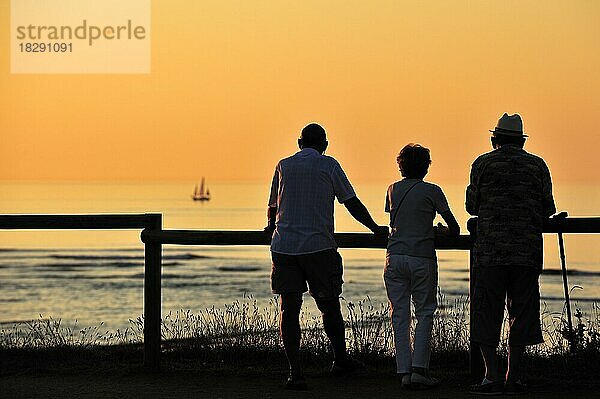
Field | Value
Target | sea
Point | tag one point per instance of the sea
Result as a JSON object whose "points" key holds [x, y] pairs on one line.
{"points": [[92, 277]]}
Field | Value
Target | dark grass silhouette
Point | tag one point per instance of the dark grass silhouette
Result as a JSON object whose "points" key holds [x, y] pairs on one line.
{"points": [[242, 340]]}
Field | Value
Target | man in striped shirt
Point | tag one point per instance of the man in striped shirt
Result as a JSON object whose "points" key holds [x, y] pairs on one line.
{"points": [[303, 248]]}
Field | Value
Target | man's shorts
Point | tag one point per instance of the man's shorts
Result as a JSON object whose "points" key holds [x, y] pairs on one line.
{"points": [[519, 287], [322, 270]]}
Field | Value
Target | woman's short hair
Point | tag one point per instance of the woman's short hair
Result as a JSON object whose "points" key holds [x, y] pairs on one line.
{"points": [[413, 161]]}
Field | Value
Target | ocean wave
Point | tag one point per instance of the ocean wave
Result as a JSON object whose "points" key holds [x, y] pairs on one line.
{"points": [[454, 270], [181, 284], [173, 276], [186, 256], [461, 279], [363, 267], [10, 323], [59, 276], [77, 266], [167, 276], [96, 257], [13, 257], [117, 285], [12, 300], [570, 272], [13, 285], [135, 276], [240, 268]]}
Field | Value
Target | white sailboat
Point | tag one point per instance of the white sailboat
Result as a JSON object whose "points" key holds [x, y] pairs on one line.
{"points": [[201, 194]]}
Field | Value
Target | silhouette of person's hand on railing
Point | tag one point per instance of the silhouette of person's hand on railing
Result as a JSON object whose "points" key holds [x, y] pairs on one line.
{"points": [[269, 229], [560, 215], [446, 231], [381, 232], [440, 229]]}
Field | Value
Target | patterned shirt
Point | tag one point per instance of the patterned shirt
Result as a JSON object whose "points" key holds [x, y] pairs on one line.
{"points": [[303, 190], [511, 193]]}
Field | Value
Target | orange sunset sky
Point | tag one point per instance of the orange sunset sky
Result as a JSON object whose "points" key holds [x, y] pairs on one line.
{"points": [[233, 82]]}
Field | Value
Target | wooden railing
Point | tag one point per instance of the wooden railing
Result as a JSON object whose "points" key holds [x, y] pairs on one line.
{"points": [[153, 236], [152, 260]]}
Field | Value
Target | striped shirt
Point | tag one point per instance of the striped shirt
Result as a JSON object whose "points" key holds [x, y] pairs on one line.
{"points": [[303, 190]]}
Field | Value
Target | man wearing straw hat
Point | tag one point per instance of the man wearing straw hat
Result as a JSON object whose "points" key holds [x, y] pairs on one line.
{"points": [[510, 191]]}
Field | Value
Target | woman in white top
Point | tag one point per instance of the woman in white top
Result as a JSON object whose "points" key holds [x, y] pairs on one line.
{"points": [[411, 264]]}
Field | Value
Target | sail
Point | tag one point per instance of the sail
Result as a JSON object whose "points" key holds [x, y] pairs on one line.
{"points": [[202, 192], [202, 187]]}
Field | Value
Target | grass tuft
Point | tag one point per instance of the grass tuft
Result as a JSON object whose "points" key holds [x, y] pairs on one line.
{"points": [[243, 331]]}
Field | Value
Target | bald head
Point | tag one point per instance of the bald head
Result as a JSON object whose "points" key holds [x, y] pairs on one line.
{"points": [[313, 136]]}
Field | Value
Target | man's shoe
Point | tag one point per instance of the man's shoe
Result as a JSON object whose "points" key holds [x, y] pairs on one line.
{"points": [[296, 383], [487, 387], [406, 381], [346, 366], [419, 381], [514, 388]]}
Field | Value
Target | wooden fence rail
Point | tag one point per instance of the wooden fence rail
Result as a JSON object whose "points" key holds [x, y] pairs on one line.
{"points": [[152, 259], [153, 236], [237, 237]]}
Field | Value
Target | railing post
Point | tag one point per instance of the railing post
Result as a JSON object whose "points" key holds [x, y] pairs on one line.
{"points": [[476, 366], [152, 296]]}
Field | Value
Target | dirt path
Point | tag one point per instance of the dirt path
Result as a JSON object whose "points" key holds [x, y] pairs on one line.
{"points": [[191, 384]]}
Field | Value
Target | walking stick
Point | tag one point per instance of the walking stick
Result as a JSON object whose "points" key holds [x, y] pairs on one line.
{"points": [[561, 246]]}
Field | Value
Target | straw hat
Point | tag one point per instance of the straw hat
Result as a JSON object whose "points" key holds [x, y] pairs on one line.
{"points": [[510, 125]]}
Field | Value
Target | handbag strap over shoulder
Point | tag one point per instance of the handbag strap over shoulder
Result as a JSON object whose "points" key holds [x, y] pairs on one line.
{"points": [[393, 220]]}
